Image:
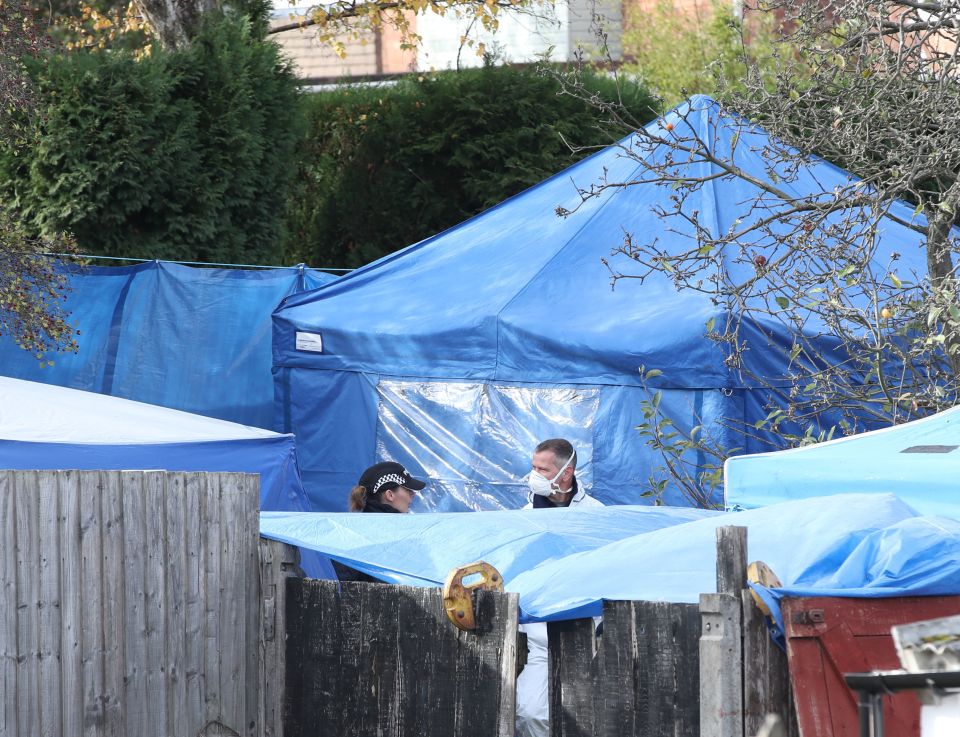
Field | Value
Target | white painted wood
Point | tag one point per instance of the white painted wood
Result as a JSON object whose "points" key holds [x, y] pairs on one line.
{"points": [[721, 669]]}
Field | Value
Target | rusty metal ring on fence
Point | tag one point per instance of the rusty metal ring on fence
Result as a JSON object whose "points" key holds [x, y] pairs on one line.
{"points": [[457, 599]]}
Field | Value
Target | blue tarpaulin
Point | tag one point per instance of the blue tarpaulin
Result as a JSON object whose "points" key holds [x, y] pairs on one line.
{"points": [[421, 549], [918, 461], [457, 354], [565, 563], [194, 339]]}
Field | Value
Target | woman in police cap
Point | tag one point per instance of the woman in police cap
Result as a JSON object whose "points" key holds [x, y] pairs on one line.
{"points": [[384, 487]]}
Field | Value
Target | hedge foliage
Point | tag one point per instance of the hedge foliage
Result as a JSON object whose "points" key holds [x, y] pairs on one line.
{"points": [[384, 167], [212, 154], [177, 155]]}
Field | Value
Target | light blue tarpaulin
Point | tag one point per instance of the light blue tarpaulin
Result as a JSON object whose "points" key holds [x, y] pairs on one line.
{"points": [[457, 354], [565, 563], [918, 556], [421, 549], [194, 339], [918, 461]]}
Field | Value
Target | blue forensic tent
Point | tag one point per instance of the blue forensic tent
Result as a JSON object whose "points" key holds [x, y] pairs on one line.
{"points": [[51, 427], [194, 339], [458, 354], [918, 461], [565, 563]]}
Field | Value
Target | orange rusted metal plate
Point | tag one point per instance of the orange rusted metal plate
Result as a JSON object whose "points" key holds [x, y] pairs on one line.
{"points": [[457, 599]]}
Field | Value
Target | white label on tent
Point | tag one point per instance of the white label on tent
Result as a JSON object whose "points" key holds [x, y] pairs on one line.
{"points": [[312, 342]]}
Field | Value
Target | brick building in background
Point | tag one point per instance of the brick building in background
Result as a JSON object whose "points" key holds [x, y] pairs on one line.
{"points": [[521, 38]]}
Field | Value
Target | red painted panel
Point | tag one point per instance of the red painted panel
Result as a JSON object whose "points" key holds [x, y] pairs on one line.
{"points": [[828, 637]]}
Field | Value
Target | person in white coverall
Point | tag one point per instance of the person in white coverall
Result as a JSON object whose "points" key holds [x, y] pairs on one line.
{"points": [[552, 485]]}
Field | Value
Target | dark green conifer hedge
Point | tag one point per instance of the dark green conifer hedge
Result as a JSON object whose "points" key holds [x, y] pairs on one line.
{"points": [[384, 167], [179, 155]]}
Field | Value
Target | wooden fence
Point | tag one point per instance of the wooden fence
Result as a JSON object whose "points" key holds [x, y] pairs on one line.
{"points": [[129, 604], [141, 603], [672, 670], [641, 678], [364, 659]]}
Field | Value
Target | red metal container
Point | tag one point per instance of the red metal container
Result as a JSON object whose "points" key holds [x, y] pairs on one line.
{"points": [[827, 637]]}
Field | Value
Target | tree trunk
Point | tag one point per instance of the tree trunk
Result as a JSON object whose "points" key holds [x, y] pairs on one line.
{"points": [[940, 267], [175, 22]]}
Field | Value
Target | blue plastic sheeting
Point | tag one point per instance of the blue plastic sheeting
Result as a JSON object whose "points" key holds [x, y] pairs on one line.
{"points": [[422, 549], [457, 354], [918, 461], [679, 564], [194, 339], [565, 563]]}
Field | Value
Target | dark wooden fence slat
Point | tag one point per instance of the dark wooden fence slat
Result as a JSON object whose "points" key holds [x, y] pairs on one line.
{"points": [[644, 680], [71, 591], [50, 606], [364, 659], [766, 676], [573, 678], [8, 605]]}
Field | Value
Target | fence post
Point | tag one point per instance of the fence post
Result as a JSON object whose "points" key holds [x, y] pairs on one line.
{"points": [[721, 640]]}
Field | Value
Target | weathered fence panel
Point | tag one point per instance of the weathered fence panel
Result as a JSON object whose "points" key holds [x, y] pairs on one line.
{"points": [[130, 604], [644, 679], [385, 661]]}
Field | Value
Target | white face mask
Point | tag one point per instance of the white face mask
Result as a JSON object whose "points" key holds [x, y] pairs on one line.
{"points": [[543, 486]]}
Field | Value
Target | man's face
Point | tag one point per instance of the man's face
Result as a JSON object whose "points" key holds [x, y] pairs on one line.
{"points": [[546, 464]]}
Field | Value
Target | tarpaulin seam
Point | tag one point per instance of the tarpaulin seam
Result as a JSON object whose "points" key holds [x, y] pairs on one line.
{"points": [[112, 349]]}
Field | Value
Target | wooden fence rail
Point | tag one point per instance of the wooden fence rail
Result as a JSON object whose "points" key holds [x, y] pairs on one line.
{"points": [[129, 604]]}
